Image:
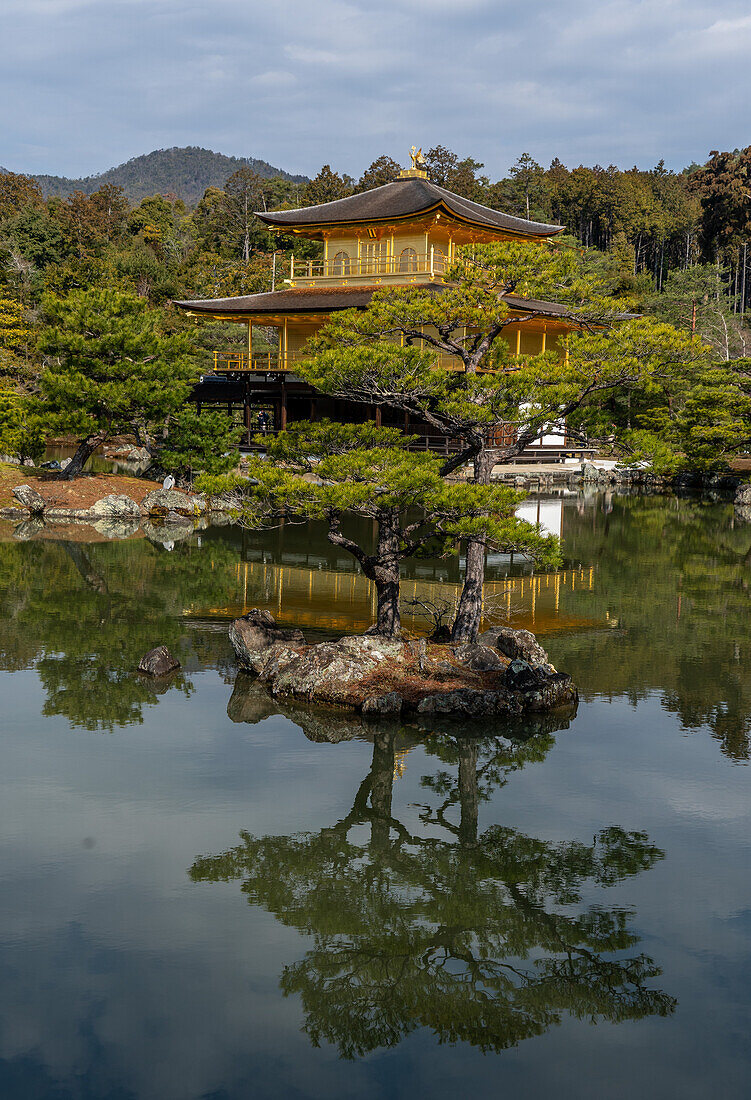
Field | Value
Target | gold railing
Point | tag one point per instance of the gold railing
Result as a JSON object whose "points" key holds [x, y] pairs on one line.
{"points": [[434, 262], [271, 361], [259, 361]]}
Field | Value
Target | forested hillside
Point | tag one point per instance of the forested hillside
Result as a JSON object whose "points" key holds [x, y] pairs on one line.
{"points": [[184, 172]]}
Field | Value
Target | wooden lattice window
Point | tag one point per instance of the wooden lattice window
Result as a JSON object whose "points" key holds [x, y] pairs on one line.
{"points": [[340, 264], [373, 257], [408, 260]]}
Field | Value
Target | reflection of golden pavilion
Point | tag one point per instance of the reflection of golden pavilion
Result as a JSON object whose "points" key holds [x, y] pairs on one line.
{"points": [[329, 600], [404, 233], [400, 762]]}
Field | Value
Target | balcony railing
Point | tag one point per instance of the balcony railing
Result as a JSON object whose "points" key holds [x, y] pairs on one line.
{"points": [[259, 361], [264, 362], [430, 263]]}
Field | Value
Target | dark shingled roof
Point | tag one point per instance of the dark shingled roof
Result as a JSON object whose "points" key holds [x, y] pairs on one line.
{"points": [[325, 299], [299, 300], [405, 198]]}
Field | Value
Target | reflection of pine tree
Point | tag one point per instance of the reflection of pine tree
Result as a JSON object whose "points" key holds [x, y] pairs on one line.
{"points": [[481, 938], [84, 614]]}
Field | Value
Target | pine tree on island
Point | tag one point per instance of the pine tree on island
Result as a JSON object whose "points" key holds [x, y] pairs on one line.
{"points": [[327, 471]]}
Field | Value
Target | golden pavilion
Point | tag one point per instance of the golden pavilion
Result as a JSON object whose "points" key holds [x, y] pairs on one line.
{"points": [[404, 233]]}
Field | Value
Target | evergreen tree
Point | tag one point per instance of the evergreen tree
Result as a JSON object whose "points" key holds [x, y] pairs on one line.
{"points": [[204, 442], [723, 186], [460, 176], [22, 426], [383, 170], [696, 300], [529, 178], [326, 186], [110, 367]]}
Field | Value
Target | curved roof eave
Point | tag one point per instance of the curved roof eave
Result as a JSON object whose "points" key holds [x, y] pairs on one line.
{"points": [[330, 299], [401, 201]]}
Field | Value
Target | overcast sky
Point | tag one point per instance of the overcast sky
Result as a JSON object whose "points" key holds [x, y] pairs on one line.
{"points": [[87, 84]]}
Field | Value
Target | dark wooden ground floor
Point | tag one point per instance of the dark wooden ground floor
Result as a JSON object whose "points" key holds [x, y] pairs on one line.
{"points": [[269, 402]]}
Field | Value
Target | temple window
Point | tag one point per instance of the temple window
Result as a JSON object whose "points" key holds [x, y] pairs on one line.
{"points": [[408, 260], [340, 265], [373, 257]]}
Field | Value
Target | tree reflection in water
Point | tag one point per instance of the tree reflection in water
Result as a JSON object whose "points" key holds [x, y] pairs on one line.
{"points": [[482, 937]]}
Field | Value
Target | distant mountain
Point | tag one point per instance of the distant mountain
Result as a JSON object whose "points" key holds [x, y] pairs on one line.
{"points": [[185, 172]]}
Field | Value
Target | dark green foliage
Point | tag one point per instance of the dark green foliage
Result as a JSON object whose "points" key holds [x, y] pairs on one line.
{"points": [[326, 186], [723, 189], [635, 238], [110, 366], [204, 442], [37, 237], [696, 301], [384, 169], [460, 176], [22, 426]]}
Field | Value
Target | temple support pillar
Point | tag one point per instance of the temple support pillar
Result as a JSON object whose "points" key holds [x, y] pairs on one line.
{"points": [[246, 406]]}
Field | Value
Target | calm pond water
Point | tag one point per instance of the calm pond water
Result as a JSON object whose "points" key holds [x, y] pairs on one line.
{"points": [[209, 895]]}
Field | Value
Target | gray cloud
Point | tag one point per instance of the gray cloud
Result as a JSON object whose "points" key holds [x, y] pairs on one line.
{"points": [[84, 84]]}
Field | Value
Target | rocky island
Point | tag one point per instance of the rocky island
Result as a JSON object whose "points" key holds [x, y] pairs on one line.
{"points": [[506, 673]]}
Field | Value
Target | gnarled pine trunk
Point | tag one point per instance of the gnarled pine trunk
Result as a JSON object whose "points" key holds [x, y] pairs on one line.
{"points": [[384, 572], [84, 451], [469, 612], [381, 567]]}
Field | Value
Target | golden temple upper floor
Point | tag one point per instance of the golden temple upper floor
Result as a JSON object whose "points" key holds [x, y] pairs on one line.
{"points": [[405, 232]]}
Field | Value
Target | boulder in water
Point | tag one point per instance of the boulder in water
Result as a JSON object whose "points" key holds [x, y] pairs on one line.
{"points": [[158, 662], [388, 705], [521, 677], [479, 657]]}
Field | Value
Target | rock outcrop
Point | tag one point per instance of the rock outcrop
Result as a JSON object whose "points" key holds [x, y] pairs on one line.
{"points": [[255, 636], [516, 645], [160, 502], [29, 498], [115, 506], [387, 678]]}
